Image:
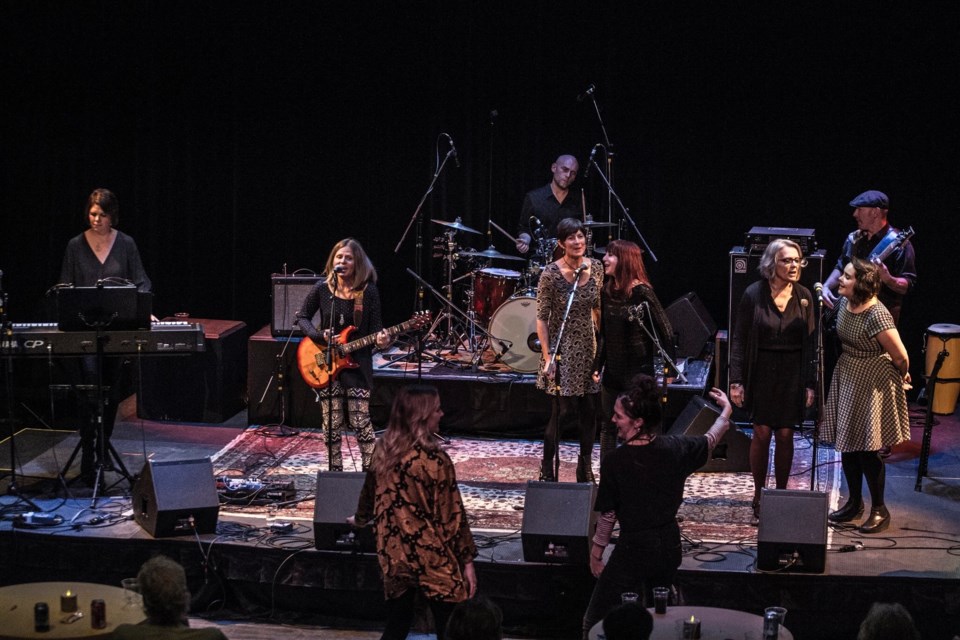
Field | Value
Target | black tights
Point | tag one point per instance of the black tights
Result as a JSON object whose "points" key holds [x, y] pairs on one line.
{"points": [[584, 408], [858, 465], [400, 615]]}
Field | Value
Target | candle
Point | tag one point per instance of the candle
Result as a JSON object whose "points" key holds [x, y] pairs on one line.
{"points": [[691, 629], [68, 602]]}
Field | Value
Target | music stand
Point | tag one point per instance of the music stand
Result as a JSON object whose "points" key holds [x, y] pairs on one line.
{"points": [[100, 308]]}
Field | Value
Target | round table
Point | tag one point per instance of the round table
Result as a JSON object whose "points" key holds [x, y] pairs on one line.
{"points": [[16, 609], [715, 624]]}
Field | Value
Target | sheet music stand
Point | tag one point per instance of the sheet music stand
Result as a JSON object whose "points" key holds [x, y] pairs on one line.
{"points": [[101, 309]]}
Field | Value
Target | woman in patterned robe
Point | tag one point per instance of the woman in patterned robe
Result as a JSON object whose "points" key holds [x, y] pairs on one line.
{"points": [[566, 364], [410, 495], [866, 407]]}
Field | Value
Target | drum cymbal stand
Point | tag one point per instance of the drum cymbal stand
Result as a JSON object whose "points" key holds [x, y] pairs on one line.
{"points": [[453, 336], [451, 307]]}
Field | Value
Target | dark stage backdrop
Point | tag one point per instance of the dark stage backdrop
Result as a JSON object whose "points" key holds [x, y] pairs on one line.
{"points": [[243, 138]]}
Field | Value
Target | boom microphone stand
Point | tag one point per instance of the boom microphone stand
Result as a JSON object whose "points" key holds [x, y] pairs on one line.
{"points": [[6, 339], [820, 389], [626, 212]]}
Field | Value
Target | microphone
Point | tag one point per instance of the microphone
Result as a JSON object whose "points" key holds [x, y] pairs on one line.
{"points": [[534, 220], [635, 312], [453, 151], [339, 269], [593, 154], [818, 288], [580, 269], [586, 94]]}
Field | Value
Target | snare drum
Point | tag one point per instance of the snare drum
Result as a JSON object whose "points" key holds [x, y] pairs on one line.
{"points": [[513, 334], [491, 288], [944, 337]]}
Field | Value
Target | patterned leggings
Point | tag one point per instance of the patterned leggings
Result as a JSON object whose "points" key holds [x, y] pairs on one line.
{"points": [[354, 404]]}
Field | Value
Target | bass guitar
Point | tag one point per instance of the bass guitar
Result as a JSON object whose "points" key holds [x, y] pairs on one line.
{"points": [[312, 358]]}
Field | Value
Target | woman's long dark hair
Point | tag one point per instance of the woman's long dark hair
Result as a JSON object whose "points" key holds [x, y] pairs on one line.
{"points": [[407, 426]]}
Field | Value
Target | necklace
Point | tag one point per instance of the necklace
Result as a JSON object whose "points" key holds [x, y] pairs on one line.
{"points": [[572, 268]]}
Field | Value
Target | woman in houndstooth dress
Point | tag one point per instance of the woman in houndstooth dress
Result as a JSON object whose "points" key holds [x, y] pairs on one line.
{"points": [[866, 406]]}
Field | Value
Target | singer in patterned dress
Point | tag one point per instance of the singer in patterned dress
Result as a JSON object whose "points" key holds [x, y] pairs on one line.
{"points": [[866, 406], [772, 372], [625, 349], [350, 291], [566, 369]]}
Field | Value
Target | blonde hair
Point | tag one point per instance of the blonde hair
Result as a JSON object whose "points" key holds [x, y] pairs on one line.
{"points": [[364, 270]]}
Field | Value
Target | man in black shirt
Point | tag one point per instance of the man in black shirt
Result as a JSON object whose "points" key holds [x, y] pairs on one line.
{"points": [[543, 208]]}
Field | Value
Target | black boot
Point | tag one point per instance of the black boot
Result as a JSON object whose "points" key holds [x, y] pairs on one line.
{"points": [[584, 470], [878, 520], [852, 510], [546, 472]]}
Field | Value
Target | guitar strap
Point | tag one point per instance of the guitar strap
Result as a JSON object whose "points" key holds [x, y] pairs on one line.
{"points": [[358, 307]]}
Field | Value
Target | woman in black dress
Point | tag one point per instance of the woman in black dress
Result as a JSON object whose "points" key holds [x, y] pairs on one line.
{"points": [[625, 348], [772, 372], [351, 290]]}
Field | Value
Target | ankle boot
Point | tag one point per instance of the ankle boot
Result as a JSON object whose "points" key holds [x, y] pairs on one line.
{"points": [[546, 472], [852, 510], [878, 520], [584, 470]]}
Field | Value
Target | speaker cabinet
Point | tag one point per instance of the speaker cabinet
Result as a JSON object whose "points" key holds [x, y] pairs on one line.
{"points": [[176, 497], [693, 324], [792, 535], [337, 495], [558, 522], [275, 388], [731, 454], [287, 296]]}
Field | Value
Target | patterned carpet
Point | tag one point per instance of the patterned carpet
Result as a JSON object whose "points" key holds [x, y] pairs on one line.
{"points": [[493, 473]]}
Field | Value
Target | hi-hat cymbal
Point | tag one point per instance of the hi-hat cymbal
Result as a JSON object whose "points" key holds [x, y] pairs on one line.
{"points": [[457, 225], [591, 224], [490, 252]]}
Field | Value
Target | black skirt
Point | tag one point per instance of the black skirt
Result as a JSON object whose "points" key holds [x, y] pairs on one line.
{"points": [[777, 396]]}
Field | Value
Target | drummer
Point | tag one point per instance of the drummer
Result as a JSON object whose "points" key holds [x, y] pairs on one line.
{"points": [[544, 207]]}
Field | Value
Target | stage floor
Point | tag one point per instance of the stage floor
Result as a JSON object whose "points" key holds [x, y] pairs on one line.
{"points": [[246, 573]]}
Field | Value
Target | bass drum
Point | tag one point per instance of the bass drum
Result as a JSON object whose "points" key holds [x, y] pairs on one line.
{"points": [[513, 334]]}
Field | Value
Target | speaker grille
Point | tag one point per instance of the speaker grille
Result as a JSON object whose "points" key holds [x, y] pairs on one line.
{"points": [[337, 496], [558, 520], [792, 535], [288, 294]]}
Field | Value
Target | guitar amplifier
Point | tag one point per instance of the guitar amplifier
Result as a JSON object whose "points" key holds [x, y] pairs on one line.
{"points": [[759, 237], [287, 295]]}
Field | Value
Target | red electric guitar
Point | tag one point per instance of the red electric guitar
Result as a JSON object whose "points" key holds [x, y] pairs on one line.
{"points": [[312, 357]]}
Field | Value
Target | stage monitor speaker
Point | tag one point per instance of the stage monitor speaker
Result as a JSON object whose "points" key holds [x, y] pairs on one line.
{"points": [[176, 497], [337, 496], [792, 535], [731, 454], [558, 522], [287, 295], [692, 322]]}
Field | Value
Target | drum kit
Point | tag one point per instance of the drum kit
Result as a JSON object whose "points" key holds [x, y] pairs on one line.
{"points": [[501, 303]]}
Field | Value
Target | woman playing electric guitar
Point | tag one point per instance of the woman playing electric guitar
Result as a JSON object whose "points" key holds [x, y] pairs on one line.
{"points": [[348, 297]]}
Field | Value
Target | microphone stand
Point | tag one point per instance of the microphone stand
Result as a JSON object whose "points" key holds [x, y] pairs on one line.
{"points": [[656, 341], [820, 394], [6, 337], [626, 212], [609, 154], [331, 345], [556, 355], [418, 257]]}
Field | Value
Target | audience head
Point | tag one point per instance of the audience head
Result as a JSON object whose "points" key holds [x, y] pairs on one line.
{"points": [[887, 621], [163, 585], [629, 621], [641, 402], [475, 619]]}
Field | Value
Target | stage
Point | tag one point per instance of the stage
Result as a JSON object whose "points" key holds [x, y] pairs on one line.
{"points": [[246, 570]]}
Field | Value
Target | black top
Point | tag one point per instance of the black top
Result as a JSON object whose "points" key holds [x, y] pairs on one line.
{"points": [[371, 322], [760, 325], [625, 349], [82, 268], [901, 263], [544, 205], [644, 484]]}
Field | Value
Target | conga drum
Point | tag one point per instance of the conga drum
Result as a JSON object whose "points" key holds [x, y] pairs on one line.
{"points": [[944, 337]]}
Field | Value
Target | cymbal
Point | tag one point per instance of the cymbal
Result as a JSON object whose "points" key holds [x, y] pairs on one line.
{"points": [[457, 225], [590, 224], [490, 252]]}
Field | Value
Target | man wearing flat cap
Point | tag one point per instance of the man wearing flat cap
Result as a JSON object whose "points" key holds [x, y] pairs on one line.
{"points": [[898, 270]]}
